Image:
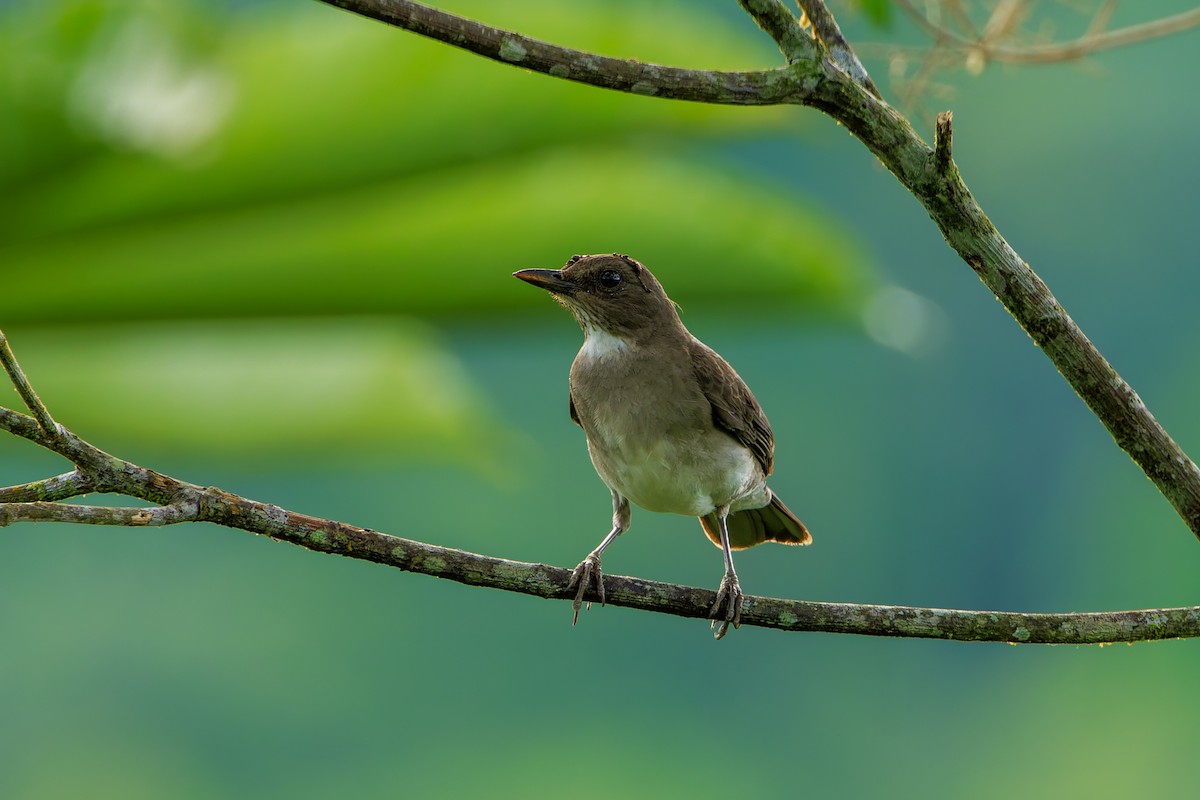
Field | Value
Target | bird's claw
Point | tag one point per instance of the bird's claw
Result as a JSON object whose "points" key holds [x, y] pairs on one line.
{"points": [[730, 595], [583, 576]]}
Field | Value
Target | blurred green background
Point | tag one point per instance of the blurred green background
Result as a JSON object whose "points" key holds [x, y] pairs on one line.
{"points": [[267, 246]]}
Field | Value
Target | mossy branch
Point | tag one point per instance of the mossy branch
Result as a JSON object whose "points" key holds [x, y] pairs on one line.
{"points": [[757, 87], [175, 501]]}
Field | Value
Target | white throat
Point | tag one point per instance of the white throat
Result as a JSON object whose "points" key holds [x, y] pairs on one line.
{"points": [[599, 344]]}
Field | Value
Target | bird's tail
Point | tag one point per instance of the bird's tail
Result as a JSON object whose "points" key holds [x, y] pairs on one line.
{"points": [[771, 523]]}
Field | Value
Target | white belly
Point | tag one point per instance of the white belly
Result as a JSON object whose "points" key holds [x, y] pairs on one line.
{"points": [[693, 477]]}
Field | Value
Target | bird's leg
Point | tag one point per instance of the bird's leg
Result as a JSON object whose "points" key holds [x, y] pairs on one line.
{"points": [[730, 591], [589, 569]]}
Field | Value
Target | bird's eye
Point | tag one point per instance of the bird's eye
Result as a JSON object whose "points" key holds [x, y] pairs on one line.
{"points": [[610, 279]]}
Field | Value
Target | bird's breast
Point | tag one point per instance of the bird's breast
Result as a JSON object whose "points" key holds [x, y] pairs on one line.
{"points": [[651, 435]]}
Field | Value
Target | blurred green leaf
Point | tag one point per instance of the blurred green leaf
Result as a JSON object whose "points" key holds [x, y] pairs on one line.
{"points": [[446, 242], [313, 162], [267, 390], [310, 100]]}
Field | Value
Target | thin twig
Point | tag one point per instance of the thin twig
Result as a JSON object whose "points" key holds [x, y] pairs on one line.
{"points": [[960, 16], [1006, 16], [1092, 41], [28, 395], [939, 33], [1100, 19]]}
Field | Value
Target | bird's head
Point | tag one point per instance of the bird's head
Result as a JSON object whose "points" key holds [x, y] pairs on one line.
{"points": [[608, 292]]}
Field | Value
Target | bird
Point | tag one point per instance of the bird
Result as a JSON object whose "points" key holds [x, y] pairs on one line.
{"points": [[670, 425]]}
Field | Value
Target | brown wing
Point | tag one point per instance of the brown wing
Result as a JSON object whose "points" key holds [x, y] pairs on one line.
{"points": [[734, 408], [574, 413]]}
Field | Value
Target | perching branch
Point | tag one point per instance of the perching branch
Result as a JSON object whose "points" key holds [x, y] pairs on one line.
{"points": [[932, 177], [177, 501]]}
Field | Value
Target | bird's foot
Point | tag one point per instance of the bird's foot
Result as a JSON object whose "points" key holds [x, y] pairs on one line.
{"points": [[584, 575], [729, 595]]}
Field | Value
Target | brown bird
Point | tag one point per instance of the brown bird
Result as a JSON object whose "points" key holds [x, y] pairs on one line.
{"points": [[670, 425]]}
